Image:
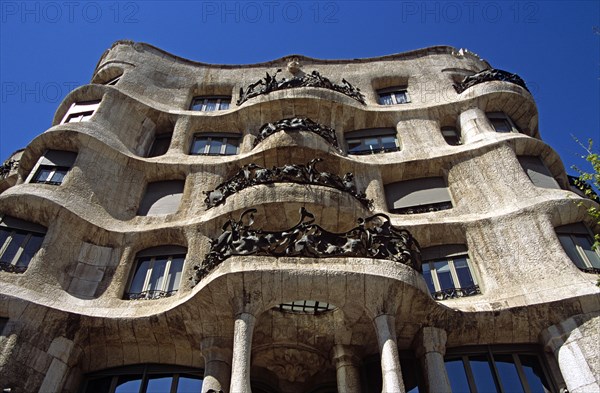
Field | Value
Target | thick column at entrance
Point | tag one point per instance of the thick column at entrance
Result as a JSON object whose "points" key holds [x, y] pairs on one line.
{"points": [[347, 370], [217, 364], [388, 348], [242, 349], [430, 348]]}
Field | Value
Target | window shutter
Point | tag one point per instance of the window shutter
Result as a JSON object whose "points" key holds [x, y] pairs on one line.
{"points": [[443, 251], [15, 223], [538, 173], [161, 198], [416, 192], [577, 228], [58, 158], [162, 251]]}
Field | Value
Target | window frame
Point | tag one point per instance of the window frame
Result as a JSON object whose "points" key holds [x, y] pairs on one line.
{"points": [[158, 293], [157, 139], [13, 266], [456, 291], [392, 91], [145, 372], [582, 231], [445, 129], [434, 203], [224, 139], [491, 116], [52, 169], [83, 111], [314, 307], [372, 133], [218, 100], [463, 353]]}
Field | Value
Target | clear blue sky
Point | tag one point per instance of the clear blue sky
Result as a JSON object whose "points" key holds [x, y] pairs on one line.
{"points": [[48, 48]]}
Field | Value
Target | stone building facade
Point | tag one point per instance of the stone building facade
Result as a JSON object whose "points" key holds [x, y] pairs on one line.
{"points": [[388, 224]]}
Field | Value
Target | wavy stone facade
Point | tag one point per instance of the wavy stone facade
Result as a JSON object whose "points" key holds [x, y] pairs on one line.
{"points": [[250, 319]]}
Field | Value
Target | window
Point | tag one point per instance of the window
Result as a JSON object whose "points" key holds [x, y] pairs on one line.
{"points": [[537, 172], [80, 111], [161, 198], [157, 273], [52, 167], [577, 242], [3, 323], [371, 141], [493, 369], [113, 81], [215, 144], [447, 272], [19, 241], [393, 96], [306, 306], [418, 196], [501, 122], [152, 378], [210, 104], [160, 145], [451, 135]]}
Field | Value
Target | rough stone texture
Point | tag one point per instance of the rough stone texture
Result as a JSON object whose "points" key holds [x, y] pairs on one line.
{"points": [[67, 316]]}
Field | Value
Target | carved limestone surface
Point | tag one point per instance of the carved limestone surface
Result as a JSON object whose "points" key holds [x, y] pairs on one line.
{"points": [[293, 365], [252, 175], [296, 124], [314, 79], [374, 237], [489, 75]]}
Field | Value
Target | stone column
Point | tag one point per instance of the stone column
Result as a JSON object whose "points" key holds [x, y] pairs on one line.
{"points": [[388, 348], [242, 349], [347, 371], [430, 348], [473, 122], [217, 364], [574, 343]]}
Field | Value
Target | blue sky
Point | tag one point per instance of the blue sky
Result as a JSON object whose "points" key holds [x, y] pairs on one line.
{"points": [[48, 48]]}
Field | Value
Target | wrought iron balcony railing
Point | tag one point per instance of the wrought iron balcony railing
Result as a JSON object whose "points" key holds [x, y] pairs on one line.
{"points": [[489, 75]]}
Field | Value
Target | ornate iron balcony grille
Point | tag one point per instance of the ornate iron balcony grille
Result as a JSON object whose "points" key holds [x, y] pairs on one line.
{"points": [[252, 174], [491, 74], [7, 167], [10, 268], [374, 237], [296, 124], [314, 79], [453, 293], [150, 294], [593, 270]]}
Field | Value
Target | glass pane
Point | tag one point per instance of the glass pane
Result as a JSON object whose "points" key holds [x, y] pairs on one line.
{"points": [[58, 176], [189, 384], [137, 284], [482, 374], [507, 372], [457, 376], [355, 146], [86, 116], [198, 145], [372, 143], [586, 245], [386, 99], [33, 245], [401, 97], [389, 143], [571, 250], [197, 104], [443, 273], [43, 174], [159, 384], [224, 105], [211, 105], [501, 125], [174, 277], [101, 385], [13, 247], [428, 278], [158, 275], [215, 146], [534, 374], [231, 146], [128, 384], [463, 272]]}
